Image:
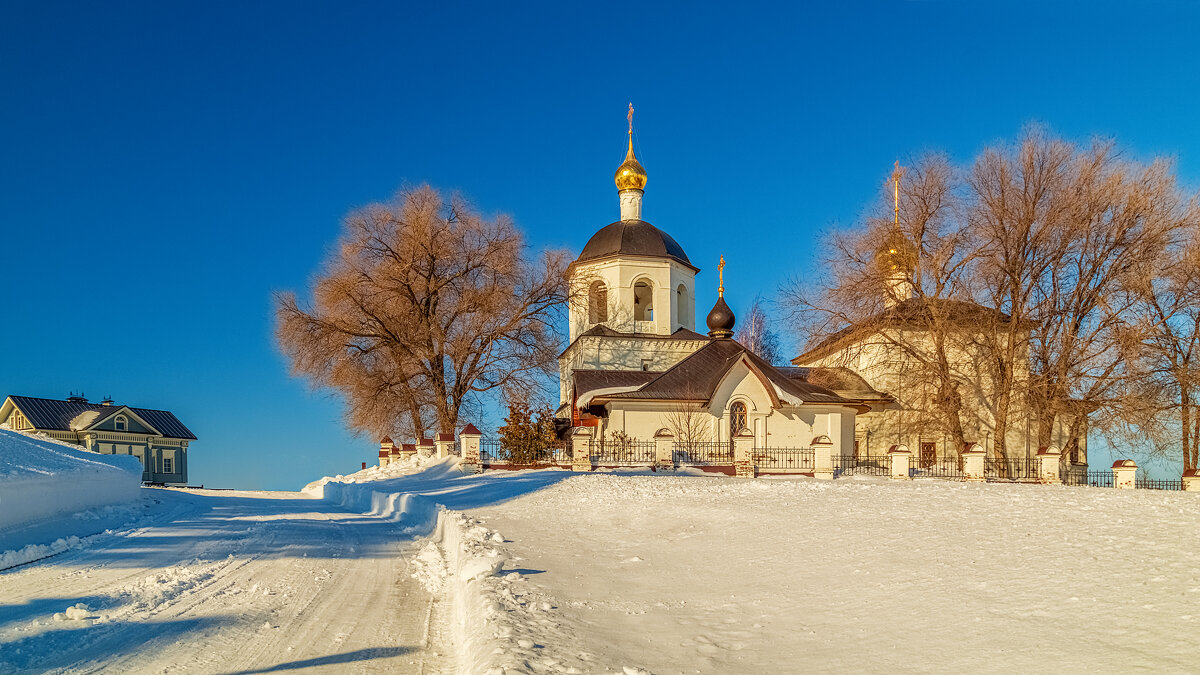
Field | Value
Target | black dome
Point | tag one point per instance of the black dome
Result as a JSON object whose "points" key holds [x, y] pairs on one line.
{"points": [[720, 320], [633, 237]]}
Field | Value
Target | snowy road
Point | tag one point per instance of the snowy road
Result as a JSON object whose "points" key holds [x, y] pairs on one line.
{"points": [[226, 582]]}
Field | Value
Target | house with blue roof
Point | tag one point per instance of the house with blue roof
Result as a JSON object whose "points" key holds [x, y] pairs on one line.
{"points": [[156, 437]]}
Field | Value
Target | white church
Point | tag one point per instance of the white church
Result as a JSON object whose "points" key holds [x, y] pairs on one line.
{"points": [[636, 368]]}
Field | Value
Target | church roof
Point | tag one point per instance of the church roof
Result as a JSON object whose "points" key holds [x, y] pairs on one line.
{"points": [[633, 238], [587, 381], [840, 379], [600, 330], [911, 313], [696, 377], [47, 414]]}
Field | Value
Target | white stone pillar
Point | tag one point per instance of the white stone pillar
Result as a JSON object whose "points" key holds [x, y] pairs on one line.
{"points": [[469, 443], [973, 463], [444, 444], [664, 450], [822, 458], [631, 204], [581, 449], [1191, 480], [743, 451], [386, 449], [1048, 463], [1124, 474], [898, 457]]}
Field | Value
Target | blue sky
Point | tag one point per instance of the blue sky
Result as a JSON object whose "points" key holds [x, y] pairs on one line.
{"points": [[166, 166]]}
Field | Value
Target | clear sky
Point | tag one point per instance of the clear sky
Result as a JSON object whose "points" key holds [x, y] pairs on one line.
{"points": [[165, 166]]}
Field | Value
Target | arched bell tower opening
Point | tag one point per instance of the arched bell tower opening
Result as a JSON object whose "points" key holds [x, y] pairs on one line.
{"points": [[643, 301], [597, 302]]}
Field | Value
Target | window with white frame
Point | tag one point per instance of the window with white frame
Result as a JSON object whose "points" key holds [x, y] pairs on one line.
{"points": [[18, 421], [122, 424], [167, 468]]}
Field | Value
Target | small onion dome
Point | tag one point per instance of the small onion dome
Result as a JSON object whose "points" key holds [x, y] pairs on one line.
{"points": [[630, 175], [896, 253], [720, 320]]}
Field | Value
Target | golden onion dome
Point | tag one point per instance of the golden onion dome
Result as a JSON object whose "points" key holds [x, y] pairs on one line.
{"points": [[896, 252], [630, 175]]}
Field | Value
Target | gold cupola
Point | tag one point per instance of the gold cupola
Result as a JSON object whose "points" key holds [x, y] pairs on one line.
{"points": [[630, 175]]}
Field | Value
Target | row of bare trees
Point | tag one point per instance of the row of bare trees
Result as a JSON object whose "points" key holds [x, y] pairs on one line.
{"points": [[1044, 275], [424, 305]]}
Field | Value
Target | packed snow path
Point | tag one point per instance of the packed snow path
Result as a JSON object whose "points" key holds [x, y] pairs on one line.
{"points": [[226, 582]]}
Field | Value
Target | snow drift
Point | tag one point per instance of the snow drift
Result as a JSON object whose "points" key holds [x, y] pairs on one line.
{"points": [[41, 478]]}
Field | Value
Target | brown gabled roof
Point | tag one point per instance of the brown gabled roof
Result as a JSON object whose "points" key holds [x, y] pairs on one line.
{"points": [[914, 313], [600, 330], [846, 382], [592, 380], [696, 377]]}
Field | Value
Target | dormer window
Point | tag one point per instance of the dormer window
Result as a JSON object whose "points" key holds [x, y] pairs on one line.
{"points": [[122, 424]]}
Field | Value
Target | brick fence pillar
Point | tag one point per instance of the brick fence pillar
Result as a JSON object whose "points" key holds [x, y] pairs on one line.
{"points": [[973, 463], [385, 451], [1191, 480], [468, 442], [581, 448], [664, 450], [822, 458], [1124, 474], [898, 458], [1048, 462], [444, 444], [743, 451]]}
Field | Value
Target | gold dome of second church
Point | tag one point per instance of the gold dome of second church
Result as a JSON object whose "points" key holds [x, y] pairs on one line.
{"points": [[630, 175]]}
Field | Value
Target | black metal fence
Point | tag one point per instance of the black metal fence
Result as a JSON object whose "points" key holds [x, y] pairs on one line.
{"points": [[1144, 483], [708, 453], [494, 451], [862, 465], [1089, 478], [622, 453], [950, 468], [1012, 468], [784, 458]]}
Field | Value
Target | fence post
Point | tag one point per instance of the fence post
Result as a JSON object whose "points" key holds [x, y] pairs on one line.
{"points": [[469, 443], [973, 463], [822, 458], [1191, 480], [664, 449], [385, 451], [425, 447], [743, 450], [444, 444], [1124, 474], [898, 456], [1048, 462], [581, 449]]}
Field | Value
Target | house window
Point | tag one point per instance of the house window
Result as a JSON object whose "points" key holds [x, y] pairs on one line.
{"points": [[681, 305], [18, 421], [737, 418], [645, 365], [643, 302], [167, 468], [122, 423], [597, 302]]}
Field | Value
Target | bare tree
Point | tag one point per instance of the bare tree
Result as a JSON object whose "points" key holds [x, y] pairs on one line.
{"points": [[1162, 342], [424, 304], [755, 333], [689, 422]]}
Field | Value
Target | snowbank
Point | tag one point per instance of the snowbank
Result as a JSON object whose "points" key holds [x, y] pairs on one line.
{"points": [[41, 478]]}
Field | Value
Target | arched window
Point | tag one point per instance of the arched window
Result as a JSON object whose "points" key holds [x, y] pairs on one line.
{"points": [[681, 305], [597, 302], [737, 418], [643, 302], [122, 424]]}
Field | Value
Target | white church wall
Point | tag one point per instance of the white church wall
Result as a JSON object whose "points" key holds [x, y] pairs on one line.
{"points": [[623, 353], [619, 274]]}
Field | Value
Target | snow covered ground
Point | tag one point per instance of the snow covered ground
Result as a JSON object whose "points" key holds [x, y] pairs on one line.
{"points": [[218, 581], [42, 479], [703, 575], [550, 571]]}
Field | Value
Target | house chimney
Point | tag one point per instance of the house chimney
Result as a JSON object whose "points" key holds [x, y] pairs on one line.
{"points": [[107, 401], [77, 398]]}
